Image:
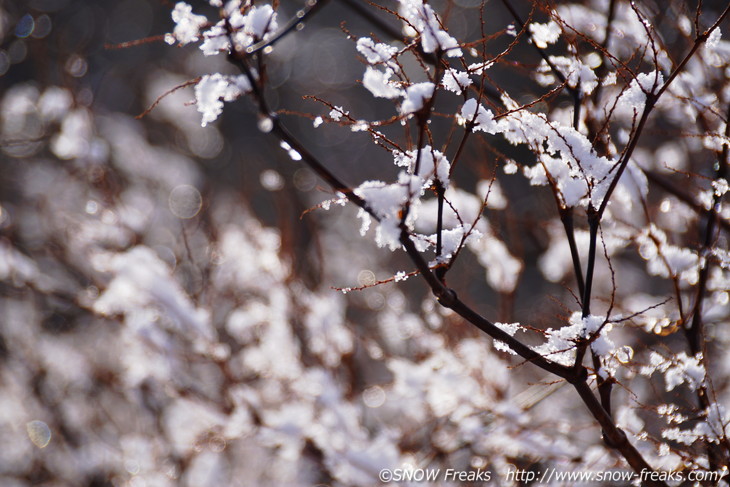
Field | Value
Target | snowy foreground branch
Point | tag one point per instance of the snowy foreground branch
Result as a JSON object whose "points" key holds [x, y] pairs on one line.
{"points": [[555, 174]]}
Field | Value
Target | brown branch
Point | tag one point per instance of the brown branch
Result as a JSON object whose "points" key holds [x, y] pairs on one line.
{"points": [[136, 42], [165, 94]]}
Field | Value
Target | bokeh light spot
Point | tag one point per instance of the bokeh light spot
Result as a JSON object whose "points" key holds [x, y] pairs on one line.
{"points": [[25, 26], [39, 433], [185, 201], [374, 397]]}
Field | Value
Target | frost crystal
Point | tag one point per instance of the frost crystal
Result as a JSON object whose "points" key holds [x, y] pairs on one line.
{"points": [[721, 187], [416, 97], [337, 113], [213, 89], [509, 328], [216, 40], [259, 23], [500, 346], [566, 155], [713, 40], [479, 68], [454, 239], [366, 221], [544, 34], [360, 126], [456, 81], [188, 25], [431, 163], [379, 83], [386, 201], [635, 95], [592, 323], [560, 345], [422, 17], [610, 79], [482, 118], [379, 53]]}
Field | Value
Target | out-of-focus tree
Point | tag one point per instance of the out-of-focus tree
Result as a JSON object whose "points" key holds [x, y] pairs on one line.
{"points": [[193, 296]]}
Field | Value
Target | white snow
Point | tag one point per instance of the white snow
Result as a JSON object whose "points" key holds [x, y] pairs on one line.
{"points": [[431, 163], [377, 53], [455, 80], [380, 84], [483, 119], [213, 89], [416, 97], [187, 24], [544, 34], [635, 95], [421, 16]]}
